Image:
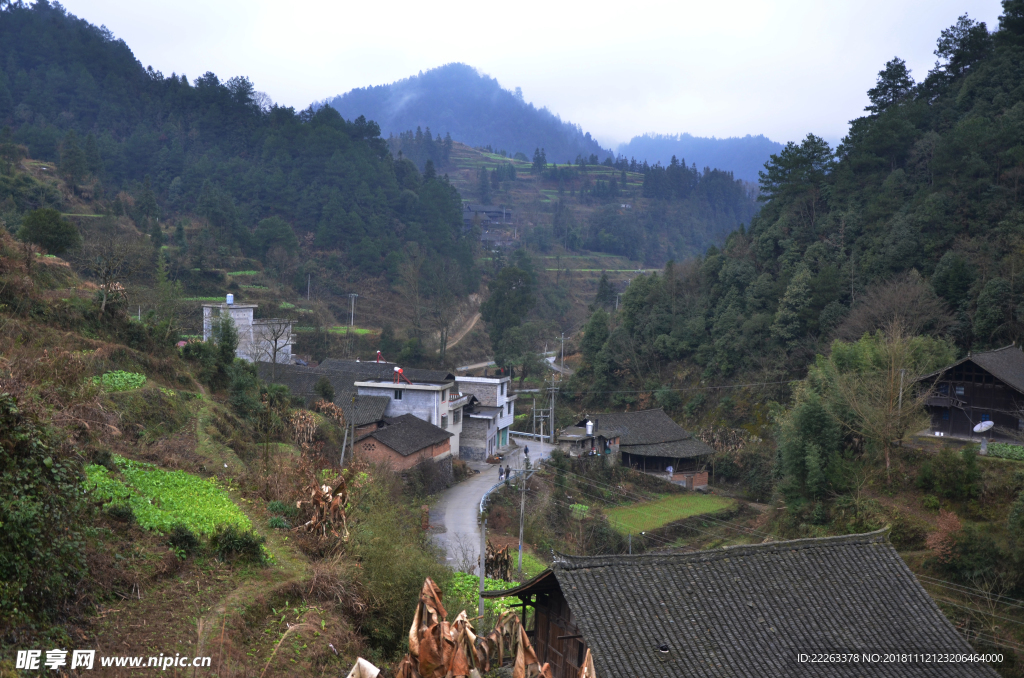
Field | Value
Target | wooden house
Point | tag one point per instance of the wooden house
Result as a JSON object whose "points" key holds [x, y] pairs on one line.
{"points": [[741, 611], [986, 386]]}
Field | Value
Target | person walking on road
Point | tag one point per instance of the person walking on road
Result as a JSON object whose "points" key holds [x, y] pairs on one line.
{"points": [[501, 473]]}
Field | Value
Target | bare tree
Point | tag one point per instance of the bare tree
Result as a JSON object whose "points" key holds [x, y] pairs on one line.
{"points": [[270, 336], [443, 283], [411, 274], [112, 254], [907, 298], [884, 401]]}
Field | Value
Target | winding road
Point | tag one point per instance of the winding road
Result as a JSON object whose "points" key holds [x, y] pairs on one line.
{"points": [[454, 519]]}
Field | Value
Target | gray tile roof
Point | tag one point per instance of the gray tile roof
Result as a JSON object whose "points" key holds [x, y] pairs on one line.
{"points": [[650, 433], [748, 610], [365, 410], [362, 371], [301, 380], [408, 434], [1005, 364]]}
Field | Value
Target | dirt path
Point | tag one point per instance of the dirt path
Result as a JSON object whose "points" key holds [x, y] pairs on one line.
{"points": [[465, 330]]}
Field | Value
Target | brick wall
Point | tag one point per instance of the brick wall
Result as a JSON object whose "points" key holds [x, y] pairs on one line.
{"points": [[377, 452]]}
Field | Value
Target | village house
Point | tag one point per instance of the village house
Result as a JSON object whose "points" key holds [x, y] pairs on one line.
{"points": [[647, 440], [259, 340], [488, 416], [987, 386], [740, 611], [403, 442]]}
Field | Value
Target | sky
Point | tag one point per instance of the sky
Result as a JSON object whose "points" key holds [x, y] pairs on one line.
{"points": [[782, 68]]}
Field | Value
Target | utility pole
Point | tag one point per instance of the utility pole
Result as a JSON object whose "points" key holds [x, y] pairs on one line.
{"points": [[522, 515], [483, 560], [562, 339], [352, 318], [309, 278], [630, 543]]}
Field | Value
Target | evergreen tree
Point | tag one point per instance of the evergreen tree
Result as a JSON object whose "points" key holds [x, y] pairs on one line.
{"points": [[788, 325], [484, 186], [605, 293], [894, 84], [93, 161]]}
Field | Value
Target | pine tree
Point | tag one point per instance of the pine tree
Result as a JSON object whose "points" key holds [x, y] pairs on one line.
{"points": [[788, 321], [93, 161], [894, 83]]}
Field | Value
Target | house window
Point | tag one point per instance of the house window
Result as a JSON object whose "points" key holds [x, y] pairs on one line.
{"points": [[444, 421], [398, 394], [1020, 424], [986, 417], [503, 389], [945, 415], [959, 390], [456, 416], [944, 389], [510, 408]]}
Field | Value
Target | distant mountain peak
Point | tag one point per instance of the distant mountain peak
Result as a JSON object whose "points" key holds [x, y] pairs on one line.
{"points": [[473, 107]]}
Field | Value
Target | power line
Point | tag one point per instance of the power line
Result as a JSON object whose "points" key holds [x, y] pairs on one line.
{"points": [[976, 591]]}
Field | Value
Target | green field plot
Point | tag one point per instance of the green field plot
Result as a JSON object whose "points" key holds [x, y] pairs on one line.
{"points": [[666, 509], [339, 329]]}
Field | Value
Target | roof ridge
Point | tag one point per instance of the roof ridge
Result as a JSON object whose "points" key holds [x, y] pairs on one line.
{"points": [[567, 562]]}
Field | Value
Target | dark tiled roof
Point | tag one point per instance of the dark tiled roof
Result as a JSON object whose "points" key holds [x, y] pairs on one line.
{"points": [[408, 434], [365, 410], [1005, 364], [748, 610], [650, 433], [361, 371]]}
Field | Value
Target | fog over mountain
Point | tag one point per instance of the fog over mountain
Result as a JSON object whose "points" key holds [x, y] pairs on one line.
{"points": [[743, 156], [456, 99]]}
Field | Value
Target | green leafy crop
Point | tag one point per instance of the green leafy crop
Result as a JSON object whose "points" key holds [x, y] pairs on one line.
{"points": [[120, 381], [163, 499]]}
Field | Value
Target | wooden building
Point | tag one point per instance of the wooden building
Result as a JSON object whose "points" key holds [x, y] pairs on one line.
{"points": [[647, 440], [986, 386], [745, 610]]}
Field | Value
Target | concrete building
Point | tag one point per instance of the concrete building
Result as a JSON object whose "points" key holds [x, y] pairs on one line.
{"points": [[259, 340], [428, 395], [488, 416]]}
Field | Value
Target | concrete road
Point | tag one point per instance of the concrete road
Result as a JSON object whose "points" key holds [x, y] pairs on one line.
{"points": [[454, 519]]}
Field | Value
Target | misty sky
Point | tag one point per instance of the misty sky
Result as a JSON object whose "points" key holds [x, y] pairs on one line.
{"points": [[780, 68]]}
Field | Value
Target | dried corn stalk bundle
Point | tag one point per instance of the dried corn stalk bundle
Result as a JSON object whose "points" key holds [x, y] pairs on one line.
{"points": [[330, 410], [498, 563], [588, 670], [328, 503], [439, 649], [304, 426]]}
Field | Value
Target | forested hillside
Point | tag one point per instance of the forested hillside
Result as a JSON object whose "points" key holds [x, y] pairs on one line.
{"points": [[473, 108], [240, 176], [743, 156], [917, 214]]}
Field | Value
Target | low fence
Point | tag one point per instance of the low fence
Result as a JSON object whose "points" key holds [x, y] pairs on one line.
{"points": [[531, 436], [515, 473]]}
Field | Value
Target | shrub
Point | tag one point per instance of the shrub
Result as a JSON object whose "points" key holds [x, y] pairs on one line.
{"points": [[951, 475], [283, 508], [183, 540], [121, 512], [41, 509], [46, 228], [395, 557], [930, 502], [278, 523], [231, 543], [324, 389], [1006, 451]]}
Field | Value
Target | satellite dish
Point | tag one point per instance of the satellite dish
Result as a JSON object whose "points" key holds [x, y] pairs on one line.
{"points": [[984, 426]]}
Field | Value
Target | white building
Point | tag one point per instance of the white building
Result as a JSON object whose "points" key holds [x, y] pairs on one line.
{"points": [[263, 339], [437, 402]]}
